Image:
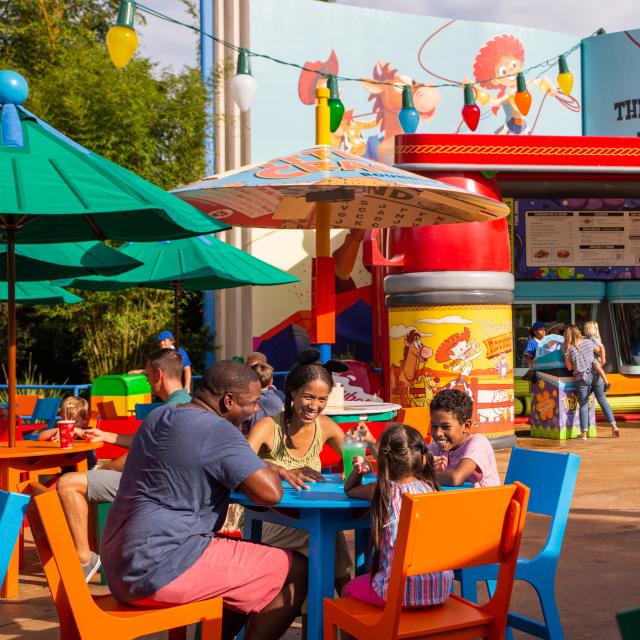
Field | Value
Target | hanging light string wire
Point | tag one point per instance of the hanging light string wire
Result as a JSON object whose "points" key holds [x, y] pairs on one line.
{"points": [[546, 64]]}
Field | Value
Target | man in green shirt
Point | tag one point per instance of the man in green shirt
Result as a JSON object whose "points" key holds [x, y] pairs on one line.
{"points": [[164, 373]]}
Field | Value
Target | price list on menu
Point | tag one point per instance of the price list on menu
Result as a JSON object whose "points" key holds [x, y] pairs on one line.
{"points": [[582, 238]]}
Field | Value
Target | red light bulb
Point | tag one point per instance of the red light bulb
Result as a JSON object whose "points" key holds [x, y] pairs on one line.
{"points": [[470, 110]]}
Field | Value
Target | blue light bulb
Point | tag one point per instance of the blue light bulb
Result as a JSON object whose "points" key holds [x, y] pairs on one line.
{"points": [[408, 117]]}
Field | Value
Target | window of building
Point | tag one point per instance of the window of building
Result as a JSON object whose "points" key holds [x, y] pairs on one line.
{"points": [[626, 322], [555, 315]]}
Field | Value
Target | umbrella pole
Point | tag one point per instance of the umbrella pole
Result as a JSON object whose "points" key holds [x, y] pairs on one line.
{"points": [[11, 333], [176, 313], [323, 285]]}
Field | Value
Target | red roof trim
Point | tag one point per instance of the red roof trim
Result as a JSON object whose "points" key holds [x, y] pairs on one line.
{"points": [[597, 154]]}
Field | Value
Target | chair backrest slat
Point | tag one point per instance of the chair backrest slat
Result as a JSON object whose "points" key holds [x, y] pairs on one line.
{"points": [[46, 408], [475, 543], [13, 507], [551, 477], [144, 409], [108, 410]]}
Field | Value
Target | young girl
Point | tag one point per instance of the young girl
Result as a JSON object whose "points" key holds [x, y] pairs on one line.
{"points": [[459, 456], [404, 466], [292, 441], [579, 356], [592, 331]]}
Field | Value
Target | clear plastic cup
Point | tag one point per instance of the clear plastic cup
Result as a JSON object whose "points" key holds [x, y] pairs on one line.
{"points": [[65, 431]]}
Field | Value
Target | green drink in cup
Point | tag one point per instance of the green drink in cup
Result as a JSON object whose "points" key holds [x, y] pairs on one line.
{"points": [[352, 447]]}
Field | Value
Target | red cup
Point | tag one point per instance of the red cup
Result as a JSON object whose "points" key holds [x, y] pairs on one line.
{"points": [[65, 431]]}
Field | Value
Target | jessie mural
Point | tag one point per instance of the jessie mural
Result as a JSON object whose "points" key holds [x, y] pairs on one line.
{"points": [[495, 68], [467, 348]]}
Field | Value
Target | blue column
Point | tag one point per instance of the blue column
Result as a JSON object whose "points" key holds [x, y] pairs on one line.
{"points": [[206, 70]]}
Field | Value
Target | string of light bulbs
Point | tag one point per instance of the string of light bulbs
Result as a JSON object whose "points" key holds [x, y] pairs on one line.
{"points": [[122, 42]]}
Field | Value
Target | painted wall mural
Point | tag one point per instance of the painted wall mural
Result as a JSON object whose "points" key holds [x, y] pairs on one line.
{"points": [[394, 48], [456, 347]]}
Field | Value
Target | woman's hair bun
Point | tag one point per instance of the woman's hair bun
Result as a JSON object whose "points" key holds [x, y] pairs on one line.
{"points": [[312, 356], [308, 356]]}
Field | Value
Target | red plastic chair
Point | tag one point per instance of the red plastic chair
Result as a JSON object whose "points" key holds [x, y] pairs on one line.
{"points": [[4, 429]]}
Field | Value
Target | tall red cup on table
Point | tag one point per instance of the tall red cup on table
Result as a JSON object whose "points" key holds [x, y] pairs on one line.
{"points": [[65, 432]]}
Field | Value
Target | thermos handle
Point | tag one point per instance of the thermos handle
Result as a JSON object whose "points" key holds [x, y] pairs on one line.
{"points": [[372, 256]]}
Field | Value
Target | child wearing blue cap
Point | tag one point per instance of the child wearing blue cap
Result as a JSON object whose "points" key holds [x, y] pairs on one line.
{"points": [[167, 341], [537, 332]]}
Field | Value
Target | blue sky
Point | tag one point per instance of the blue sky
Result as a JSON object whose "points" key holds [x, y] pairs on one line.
{"points": [[578, 17]]}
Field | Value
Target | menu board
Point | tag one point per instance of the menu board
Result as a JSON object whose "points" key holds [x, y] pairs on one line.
{"points": [[582, 238]]}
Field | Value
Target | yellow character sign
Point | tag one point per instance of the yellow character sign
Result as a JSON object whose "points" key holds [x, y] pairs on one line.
{"points": [[466, 347]]}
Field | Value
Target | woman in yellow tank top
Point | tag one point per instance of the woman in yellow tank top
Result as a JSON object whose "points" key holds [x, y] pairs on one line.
{"points": [[293, 440]]}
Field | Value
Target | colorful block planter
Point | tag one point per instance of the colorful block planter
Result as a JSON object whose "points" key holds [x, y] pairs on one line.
{"points": [[555, 409]]}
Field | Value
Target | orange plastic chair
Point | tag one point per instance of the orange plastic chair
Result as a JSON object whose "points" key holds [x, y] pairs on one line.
{"points": [[107, 410], [418, 418], [439, 531], [87, 617], [25, 404]]}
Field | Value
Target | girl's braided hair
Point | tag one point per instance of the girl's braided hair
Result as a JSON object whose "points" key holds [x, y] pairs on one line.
{"points": [[402, 452]]}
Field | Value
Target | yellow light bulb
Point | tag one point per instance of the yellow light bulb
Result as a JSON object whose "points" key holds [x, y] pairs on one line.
{"points": [[565, 82], [122, 43]]}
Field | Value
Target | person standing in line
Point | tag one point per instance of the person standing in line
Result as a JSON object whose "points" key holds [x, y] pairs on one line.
{"points": [[579, 355], [537, 332]]}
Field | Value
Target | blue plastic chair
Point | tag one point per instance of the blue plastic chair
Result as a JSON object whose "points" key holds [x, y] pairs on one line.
{"points": [[46, 409], [551, 478], [143, 410], [13, 507]]}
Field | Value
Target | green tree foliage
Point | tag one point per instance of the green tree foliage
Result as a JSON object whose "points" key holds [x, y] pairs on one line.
{"points": [[147, 120]]}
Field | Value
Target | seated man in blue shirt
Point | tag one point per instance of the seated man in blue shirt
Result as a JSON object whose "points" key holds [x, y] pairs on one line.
{"points": [[159, 545], [164, 374]]}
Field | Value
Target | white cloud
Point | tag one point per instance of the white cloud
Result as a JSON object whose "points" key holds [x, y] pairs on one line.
{"points": [[400, 331], [446, 320]]}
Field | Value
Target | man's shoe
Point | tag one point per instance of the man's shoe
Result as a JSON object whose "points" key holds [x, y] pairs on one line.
{"points": [[90, 568]]}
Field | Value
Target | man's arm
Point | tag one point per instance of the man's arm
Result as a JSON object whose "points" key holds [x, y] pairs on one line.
{"points": [[117, 464], [121, 439], [262, 487], [186, 372]]}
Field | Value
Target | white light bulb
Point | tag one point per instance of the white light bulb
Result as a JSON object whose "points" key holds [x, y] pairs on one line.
{"points": [[243, 90]]}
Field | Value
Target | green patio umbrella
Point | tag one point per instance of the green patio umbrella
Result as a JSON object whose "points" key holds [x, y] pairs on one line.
{"points": [[54, 190], [39, 293], [195, 264], [68, 260]]}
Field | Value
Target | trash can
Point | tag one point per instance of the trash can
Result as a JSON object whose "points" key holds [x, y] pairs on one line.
{"points": [[124, 390], [452, 329]]}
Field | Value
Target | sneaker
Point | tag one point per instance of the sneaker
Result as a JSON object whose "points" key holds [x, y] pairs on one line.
{"points": [[583, 435], [90, 568]]}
